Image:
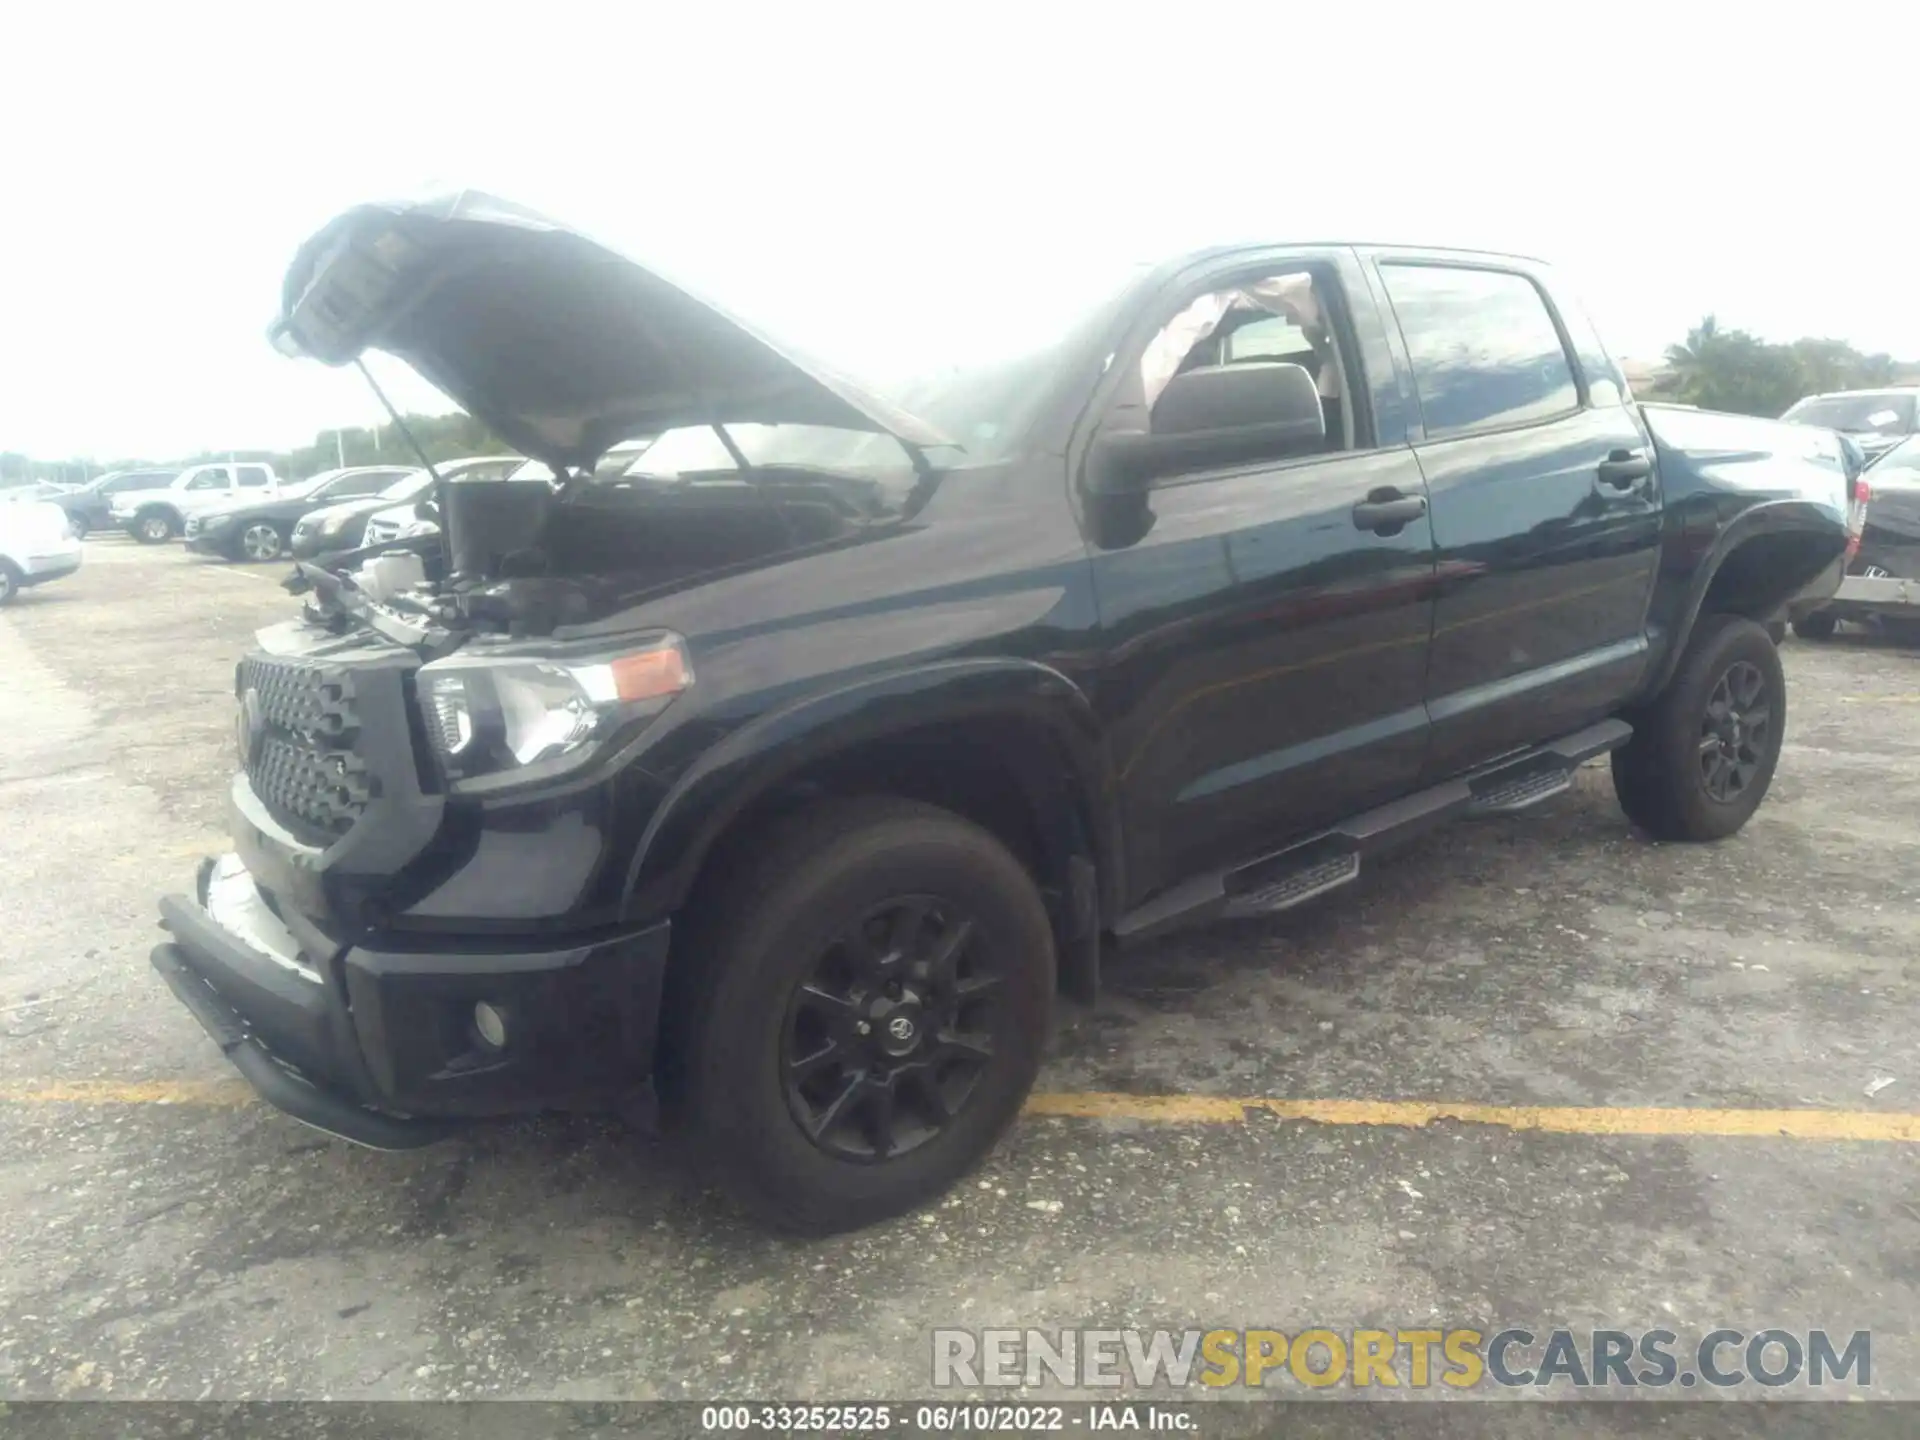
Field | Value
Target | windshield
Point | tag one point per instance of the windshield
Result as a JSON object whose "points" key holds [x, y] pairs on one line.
{"points": [[973, 364], [1870, 414], [1900, 465]]}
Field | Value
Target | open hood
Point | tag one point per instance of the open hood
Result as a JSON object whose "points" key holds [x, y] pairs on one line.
{"points": [[561, 346]]}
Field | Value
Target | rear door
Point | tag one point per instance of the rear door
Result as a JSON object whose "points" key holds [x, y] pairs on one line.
{"points": [[1266, 630], [1546, 508]]}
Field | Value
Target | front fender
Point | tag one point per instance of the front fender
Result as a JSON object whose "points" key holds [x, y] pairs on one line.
{"points": [[774, 747]]}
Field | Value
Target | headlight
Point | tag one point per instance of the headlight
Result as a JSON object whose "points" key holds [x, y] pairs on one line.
{"points": [[529, 717]]}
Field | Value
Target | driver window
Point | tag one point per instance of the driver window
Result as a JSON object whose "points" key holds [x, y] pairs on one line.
{"points": [[208, 480], [1270, 321]]}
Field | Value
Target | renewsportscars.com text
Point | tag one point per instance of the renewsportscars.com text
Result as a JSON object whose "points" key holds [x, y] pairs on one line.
{"points": [[1413, 1358]]}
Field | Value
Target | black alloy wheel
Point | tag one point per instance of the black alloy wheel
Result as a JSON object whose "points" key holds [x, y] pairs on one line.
{"points": [[1704, 750], [1734, 732], [887, 1039], [858, 1006]]}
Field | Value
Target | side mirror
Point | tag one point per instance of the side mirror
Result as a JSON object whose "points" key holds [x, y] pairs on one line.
{"points": [[1214, 416]]}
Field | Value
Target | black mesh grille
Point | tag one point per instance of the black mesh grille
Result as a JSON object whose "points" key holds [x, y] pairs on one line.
{"points": [[300, 758]]}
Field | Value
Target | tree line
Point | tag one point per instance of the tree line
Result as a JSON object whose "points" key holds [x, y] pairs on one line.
{"points": [[1734, 370], [1714, 367]]}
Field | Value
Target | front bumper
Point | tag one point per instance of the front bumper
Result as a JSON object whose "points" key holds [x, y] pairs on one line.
{"points": [[207, 542], [379, 1045]]}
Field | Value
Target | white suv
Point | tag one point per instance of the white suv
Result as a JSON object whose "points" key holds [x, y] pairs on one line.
{"points": [[154, 516]]}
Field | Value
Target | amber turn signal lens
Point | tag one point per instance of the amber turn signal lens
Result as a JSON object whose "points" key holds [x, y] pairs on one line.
{"points": [[650, 674]]}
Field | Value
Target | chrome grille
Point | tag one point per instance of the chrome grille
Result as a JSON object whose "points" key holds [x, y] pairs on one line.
{"points": [[193, 526], [299, 724]]}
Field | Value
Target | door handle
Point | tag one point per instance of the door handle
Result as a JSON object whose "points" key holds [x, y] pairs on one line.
{"points": [[1386, 510], [1622, 470]]}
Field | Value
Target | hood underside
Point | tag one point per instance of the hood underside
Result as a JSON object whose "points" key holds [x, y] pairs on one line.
{"points": [[560, 345]]}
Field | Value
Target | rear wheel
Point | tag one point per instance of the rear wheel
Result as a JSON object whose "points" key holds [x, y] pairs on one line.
{"points": [[262, 541], [868, 1002], [1704, 752], [1818, 625], [153, 527]]}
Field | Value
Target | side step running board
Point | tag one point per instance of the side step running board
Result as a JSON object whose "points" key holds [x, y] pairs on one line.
{"points": [[1332, 858]]}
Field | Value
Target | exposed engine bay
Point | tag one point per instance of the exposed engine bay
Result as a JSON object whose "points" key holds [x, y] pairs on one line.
{"points": [[528, 559]]}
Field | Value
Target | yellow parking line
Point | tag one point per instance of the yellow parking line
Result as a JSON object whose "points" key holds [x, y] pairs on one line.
{"points": [[1560, 1119], [130, 1092], [1865, 1125]]}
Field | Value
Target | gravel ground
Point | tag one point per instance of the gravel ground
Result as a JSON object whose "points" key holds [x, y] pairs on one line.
{"points": [[211, 1249]]}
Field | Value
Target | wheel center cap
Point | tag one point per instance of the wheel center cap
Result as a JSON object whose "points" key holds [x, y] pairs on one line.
{"points": [[898, 1025]]}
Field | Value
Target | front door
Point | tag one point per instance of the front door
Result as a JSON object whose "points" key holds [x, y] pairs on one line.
{"points": [[1546, 512], [1267, 623]]}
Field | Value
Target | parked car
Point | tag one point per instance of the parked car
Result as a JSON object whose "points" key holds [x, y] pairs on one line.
{"points": [[1877, 420], [36, 545], [90, 507], [260, 527], [36, 490], [1883, 576], [415, 516], [795, 786], [420, 516], [155, 516], [336, 529]]}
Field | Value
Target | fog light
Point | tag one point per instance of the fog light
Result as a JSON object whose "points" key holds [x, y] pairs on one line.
{"points": [[491, 1024]]}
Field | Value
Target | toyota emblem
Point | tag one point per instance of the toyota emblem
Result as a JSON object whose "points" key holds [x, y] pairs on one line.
{"points": [[900, 1028]]}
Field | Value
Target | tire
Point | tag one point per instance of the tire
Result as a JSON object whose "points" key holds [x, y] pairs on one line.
{"points": [[259, 543], [9, 582], [1728, 693], [826, 896], [1777, 632], [154, 527], [1818, 625], [77, 525]]}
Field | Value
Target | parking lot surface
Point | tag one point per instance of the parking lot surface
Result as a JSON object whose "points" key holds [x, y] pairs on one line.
{"points": [[163, 1236]]}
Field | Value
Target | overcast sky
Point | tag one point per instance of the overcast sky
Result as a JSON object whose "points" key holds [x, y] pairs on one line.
{"points": [[860, 177]]}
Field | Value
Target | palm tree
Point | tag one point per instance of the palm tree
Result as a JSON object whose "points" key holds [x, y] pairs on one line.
{"points": [[1693, 360]]}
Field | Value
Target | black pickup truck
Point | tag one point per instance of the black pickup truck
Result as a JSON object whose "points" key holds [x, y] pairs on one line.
{"points": [[792, 777]]}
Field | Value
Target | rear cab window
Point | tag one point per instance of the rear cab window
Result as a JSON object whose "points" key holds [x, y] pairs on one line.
{"points": [[253, 476], [1485, 350]]}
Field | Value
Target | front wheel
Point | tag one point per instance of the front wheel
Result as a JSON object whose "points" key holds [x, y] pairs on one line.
{"points": [[262, 541], [1704, 752], [76, 526], [868, 1001], [9, 581], [153, 527]]}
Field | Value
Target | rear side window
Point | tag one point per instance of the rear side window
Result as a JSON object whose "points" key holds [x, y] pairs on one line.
{"points": [[253, 475], [1486, 353]]}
